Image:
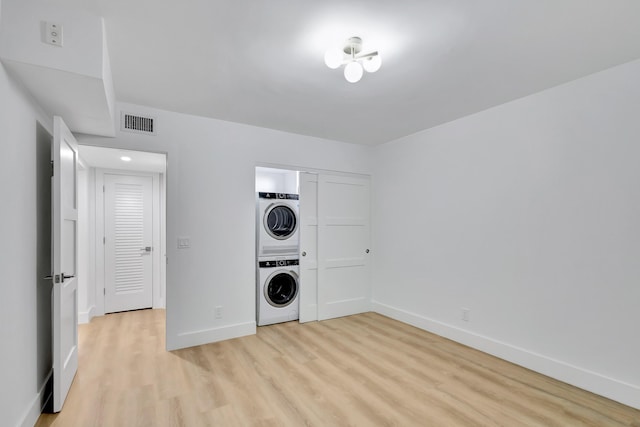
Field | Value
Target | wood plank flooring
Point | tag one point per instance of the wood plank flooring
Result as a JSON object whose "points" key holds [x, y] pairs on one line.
{"points": [[364, 370]]}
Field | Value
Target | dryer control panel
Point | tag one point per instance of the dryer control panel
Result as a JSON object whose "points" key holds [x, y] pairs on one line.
{"points": [[280, 196], [278, 263]]}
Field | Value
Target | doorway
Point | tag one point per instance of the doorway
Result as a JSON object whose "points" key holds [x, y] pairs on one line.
{"points": [[122, 231]]}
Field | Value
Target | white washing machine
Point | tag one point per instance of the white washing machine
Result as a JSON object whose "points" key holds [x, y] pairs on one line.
{"points": [[277, 291], [277, 227]]}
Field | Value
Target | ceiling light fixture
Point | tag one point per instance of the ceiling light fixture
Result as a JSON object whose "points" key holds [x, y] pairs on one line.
{"points": [[125, 158], [354, 61]]}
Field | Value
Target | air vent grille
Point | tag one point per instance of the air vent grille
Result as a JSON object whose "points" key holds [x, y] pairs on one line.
{"points": [[139, 124]]}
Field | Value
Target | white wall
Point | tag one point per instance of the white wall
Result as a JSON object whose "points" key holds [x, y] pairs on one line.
{"points": [[25, 306], [73, 81], [276, 180], [528, 214], [22, 37], [86, 245], [211, 200]]}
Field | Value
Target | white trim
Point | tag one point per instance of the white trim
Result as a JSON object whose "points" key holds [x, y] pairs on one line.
{"points": [[346, 307], [628, 394], [82, 165], [161, 300], [99, 242], [207, 336], [37, 404], [86, 316], [85, 270]]}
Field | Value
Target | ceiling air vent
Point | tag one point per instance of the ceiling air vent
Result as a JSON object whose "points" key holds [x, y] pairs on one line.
{"points": [[138, 124]]}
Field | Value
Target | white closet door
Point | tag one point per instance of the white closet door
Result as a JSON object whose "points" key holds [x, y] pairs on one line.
{"points": [[128, 242], [308, 213], [344, 282]]}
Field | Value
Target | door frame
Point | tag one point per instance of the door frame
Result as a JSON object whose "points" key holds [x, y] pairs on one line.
{"points": [[159, 236], [86, 254]]}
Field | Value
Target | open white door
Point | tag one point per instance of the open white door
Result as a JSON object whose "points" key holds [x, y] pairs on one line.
{"points": [[344, 283], [65, 256], [308, 214]]}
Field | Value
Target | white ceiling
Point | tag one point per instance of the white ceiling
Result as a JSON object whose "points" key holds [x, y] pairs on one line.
{"points": [[110, 158], [261, 62]]}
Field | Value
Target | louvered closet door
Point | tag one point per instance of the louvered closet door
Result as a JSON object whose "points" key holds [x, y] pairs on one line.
{"points": [[128, 240]]}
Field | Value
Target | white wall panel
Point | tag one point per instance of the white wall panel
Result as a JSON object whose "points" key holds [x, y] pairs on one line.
{"points": [[25, 308], [528, 215]]}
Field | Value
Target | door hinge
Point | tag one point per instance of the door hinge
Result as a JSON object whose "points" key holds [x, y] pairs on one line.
{"points": [[103, 188], [104, 291], [51, 162], [104, 240]]}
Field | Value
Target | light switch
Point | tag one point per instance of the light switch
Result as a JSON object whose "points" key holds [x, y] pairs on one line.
{"points": [[184, 243]]}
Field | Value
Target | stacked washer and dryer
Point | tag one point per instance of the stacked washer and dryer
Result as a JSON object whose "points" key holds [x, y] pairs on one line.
{"points": [[277, 258]]}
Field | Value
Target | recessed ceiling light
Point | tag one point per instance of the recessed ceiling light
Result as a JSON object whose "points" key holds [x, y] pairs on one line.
{"points": [[125, 158]]}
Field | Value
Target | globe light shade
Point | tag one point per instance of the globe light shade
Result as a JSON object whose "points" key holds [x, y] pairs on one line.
{"points": [[372, 64], [353, 72], [333, 58]]}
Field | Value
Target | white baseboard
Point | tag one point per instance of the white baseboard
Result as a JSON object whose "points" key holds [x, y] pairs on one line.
{"points": [[628, 394], [39, 401], [206, 336], [86, 316], [308, 314], [342, 308]]}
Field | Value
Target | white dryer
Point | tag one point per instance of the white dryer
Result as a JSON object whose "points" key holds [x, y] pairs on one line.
{"points": [[277, 225], [277, 291]]}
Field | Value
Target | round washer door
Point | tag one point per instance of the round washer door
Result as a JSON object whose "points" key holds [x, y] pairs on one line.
{"points": [[281, 288], [280, 221]]}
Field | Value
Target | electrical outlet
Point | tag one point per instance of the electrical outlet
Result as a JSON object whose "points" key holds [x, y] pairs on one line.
{"points": [[465, 314], [184, 243], [218, 311], [53, 34]]}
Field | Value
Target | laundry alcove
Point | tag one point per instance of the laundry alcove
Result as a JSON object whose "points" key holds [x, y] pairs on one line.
{"points": [[335, 240]]}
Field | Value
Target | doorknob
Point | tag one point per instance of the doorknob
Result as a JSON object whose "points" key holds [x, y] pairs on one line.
{"points": [[367, 251], [146, 249], [304, 253], [65, 277]]}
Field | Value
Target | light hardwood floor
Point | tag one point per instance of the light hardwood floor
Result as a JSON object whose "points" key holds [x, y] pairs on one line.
{"points": [[363, 370]]}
